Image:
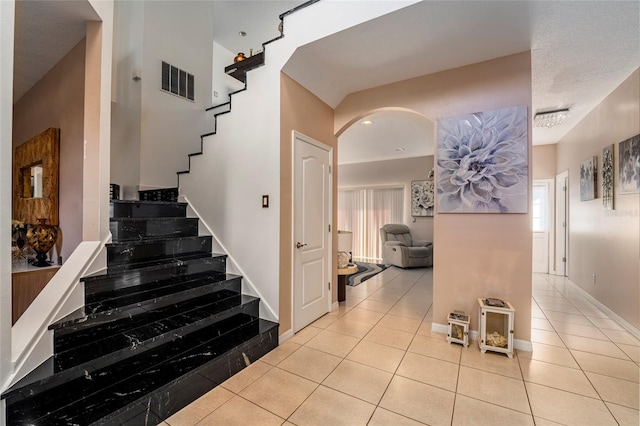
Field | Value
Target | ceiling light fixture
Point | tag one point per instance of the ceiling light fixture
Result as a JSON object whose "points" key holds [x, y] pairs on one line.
{"points": [[550, 118], [242, 33], [367, 122], [399, 149]]}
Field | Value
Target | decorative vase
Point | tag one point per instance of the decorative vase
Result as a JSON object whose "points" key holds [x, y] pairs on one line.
{"points": [[238, 58], [41, 238]]}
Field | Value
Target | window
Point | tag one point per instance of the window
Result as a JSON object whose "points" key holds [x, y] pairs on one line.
{"points": [[363, 211]]}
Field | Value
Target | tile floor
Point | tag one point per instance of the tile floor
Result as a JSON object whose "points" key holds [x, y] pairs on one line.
{"points": [[375, 361]]}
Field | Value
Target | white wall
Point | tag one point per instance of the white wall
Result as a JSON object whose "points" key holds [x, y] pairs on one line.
{"points": [[242, 161], [391, 172], [7, 20], [223, 84]]}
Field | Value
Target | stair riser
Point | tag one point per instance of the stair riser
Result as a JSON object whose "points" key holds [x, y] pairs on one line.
{"points": [[162, 294], [96, 290], [147, 210], [165, 194], [135, 230], [127, 344], [171, 398], [137, 253]]}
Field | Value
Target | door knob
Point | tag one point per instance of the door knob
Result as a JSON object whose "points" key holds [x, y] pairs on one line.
{"points": [[298, 245]]}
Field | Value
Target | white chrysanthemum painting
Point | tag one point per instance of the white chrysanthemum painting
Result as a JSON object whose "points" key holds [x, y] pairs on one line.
{"points": [[483, 162]]}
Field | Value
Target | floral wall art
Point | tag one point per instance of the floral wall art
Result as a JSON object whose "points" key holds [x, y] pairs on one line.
{"points": [[588, 179], [629, 158], [483, 162], [422, 198], [607, 177]]}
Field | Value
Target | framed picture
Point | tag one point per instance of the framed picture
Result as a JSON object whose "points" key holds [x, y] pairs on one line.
{"points": [[588, 178], [422, 198], [629, 160], [607, 177], [482, 162]]}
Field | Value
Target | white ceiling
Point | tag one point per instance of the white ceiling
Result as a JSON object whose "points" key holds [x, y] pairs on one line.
{"points": [[45, 31], [580, 50]]}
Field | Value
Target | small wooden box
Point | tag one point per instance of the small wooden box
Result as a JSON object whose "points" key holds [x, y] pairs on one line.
{"points": [[496, 327], [458, 328]]}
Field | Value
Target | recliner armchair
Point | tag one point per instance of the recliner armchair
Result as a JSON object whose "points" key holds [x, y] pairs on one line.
{"points": [[399, 249]]}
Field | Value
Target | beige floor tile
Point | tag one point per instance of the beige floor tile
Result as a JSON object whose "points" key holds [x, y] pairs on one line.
{"points": [[567, 408], [556, 376], [425, 330], [329, 407], [408, 325], [492, 362], [541, 324], [378, 356], [200, 408], [607, 366], [435, 348], [280, 353], [566, 308], [387, 336], [606, 323], [240, 412], [351, 327], [247, 376], [408, 312], [418, 401], [372, 305], [363, 315], [537, 313], [546, 337], [356, 292], [333, 343], [551, 354], [589, 331], [391, 298], [574, 319], [304, 335], [310, 364], [279, 391], [325, 321], [429, 370], [624, 415], [600, 347], [493, 388], [544, 422], [621, 392], [621, 337], [591, 311], [631, 351], [382, 417], [363, 382], [471, 412]]}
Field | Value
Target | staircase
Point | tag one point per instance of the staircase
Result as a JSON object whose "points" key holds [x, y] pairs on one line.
{"points": [[162, 326]]}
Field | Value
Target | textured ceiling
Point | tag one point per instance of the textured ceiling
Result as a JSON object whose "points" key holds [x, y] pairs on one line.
{"points": [[45, 31]]}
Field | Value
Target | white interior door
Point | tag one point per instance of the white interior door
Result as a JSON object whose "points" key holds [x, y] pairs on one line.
{"points": [[562, 224], [541, 225], [311, 230]]}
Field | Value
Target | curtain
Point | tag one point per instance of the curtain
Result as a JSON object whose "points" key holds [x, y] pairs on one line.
{"points": [[363, 211]]}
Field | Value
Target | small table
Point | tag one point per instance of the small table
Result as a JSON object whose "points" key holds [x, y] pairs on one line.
{"points": [[343, 273]]}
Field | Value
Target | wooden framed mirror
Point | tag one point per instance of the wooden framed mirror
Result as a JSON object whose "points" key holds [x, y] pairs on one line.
{"points": [[36, 178]]}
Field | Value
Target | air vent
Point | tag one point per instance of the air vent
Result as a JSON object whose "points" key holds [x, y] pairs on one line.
{"points": [[177, 81]]}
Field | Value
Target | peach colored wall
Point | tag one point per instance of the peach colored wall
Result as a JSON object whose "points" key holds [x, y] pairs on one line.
{"points": [[475, 255], [57, 100], [544, 162], [605, 243], [303, 112], [391, 172]]}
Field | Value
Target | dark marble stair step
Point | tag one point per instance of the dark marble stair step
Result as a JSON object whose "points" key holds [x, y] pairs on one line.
{"points": [[122, 338], [162, 194], [134, 254], [107, 283], [134, 208], [173, 374], [134, 229]]}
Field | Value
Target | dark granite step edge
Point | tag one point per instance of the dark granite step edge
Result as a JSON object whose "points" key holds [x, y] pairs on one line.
{"points": [[168, 399], [81, 316]]}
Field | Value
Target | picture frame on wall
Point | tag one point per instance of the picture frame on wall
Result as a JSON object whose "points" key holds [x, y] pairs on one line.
{"points": [[422, 198], [629, 165], [607, 177], [588, 177]]}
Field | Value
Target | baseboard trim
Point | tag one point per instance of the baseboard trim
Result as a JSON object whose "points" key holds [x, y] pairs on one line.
{"points": [[521, 345], [285, 336], [335, 305]]}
